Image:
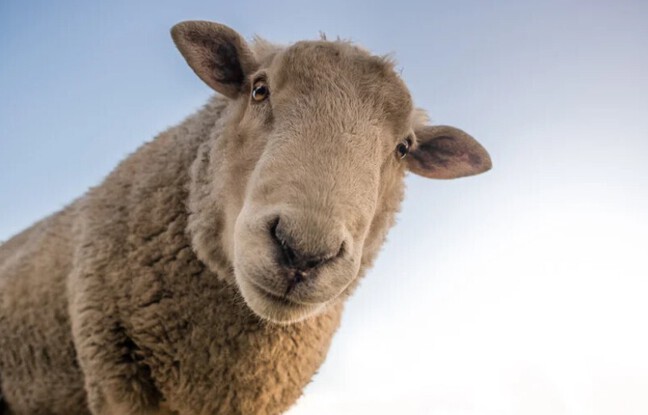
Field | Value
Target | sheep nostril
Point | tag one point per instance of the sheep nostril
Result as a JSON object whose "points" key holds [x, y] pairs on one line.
{"points": [[312, 263], [288, 255], [293, 258]]}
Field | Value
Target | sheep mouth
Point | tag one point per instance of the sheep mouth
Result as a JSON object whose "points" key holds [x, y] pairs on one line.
{"points": [[280, 308], [279, 299]]}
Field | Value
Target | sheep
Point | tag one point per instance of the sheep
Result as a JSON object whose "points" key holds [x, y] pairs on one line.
{"points": [[208, 272]]}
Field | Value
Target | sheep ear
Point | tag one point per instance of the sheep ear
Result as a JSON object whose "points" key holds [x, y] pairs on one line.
{"points": [[445, 152], [218, 55]]}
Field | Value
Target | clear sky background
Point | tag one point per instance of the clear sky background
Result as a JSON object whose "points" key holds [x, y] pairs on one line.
{"points": [[521, 291]]}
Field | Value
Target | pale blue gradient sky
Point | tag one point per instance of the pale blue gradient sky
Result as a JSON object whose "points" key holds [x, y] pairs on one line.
{"points": [[520, 291]]}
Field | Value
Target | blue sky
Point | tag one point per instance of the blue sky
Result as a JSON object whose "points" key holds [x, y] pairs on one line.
{"points": [[519, 291]]}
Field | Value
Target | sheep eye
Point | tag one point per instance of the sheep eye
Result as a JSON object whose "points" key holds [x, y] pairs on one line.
{"points": [[260, 91], [403, 148]]}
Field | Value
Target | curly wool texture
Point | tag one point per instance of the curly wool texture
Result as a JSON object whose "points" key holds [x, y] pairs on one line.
{"points": [[159, 328]]}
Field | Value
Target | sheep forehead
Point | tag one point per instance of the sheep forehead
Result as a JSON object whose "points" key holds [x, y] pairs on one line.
{"points": [[312, 66]]}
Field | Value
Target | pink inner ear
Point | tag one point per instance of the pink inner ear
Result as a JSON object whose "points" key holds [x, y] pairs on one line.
{"points": [[218, 55], [449, 157]]}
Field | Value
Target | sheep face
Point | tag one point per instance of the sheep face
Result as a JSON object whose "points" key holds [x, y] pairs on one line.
{"points": [[317, 140]]}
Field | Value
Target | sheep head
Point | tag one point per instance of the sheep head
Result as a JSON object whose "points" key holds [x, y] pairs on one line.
{"points": [[310, 163]]}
